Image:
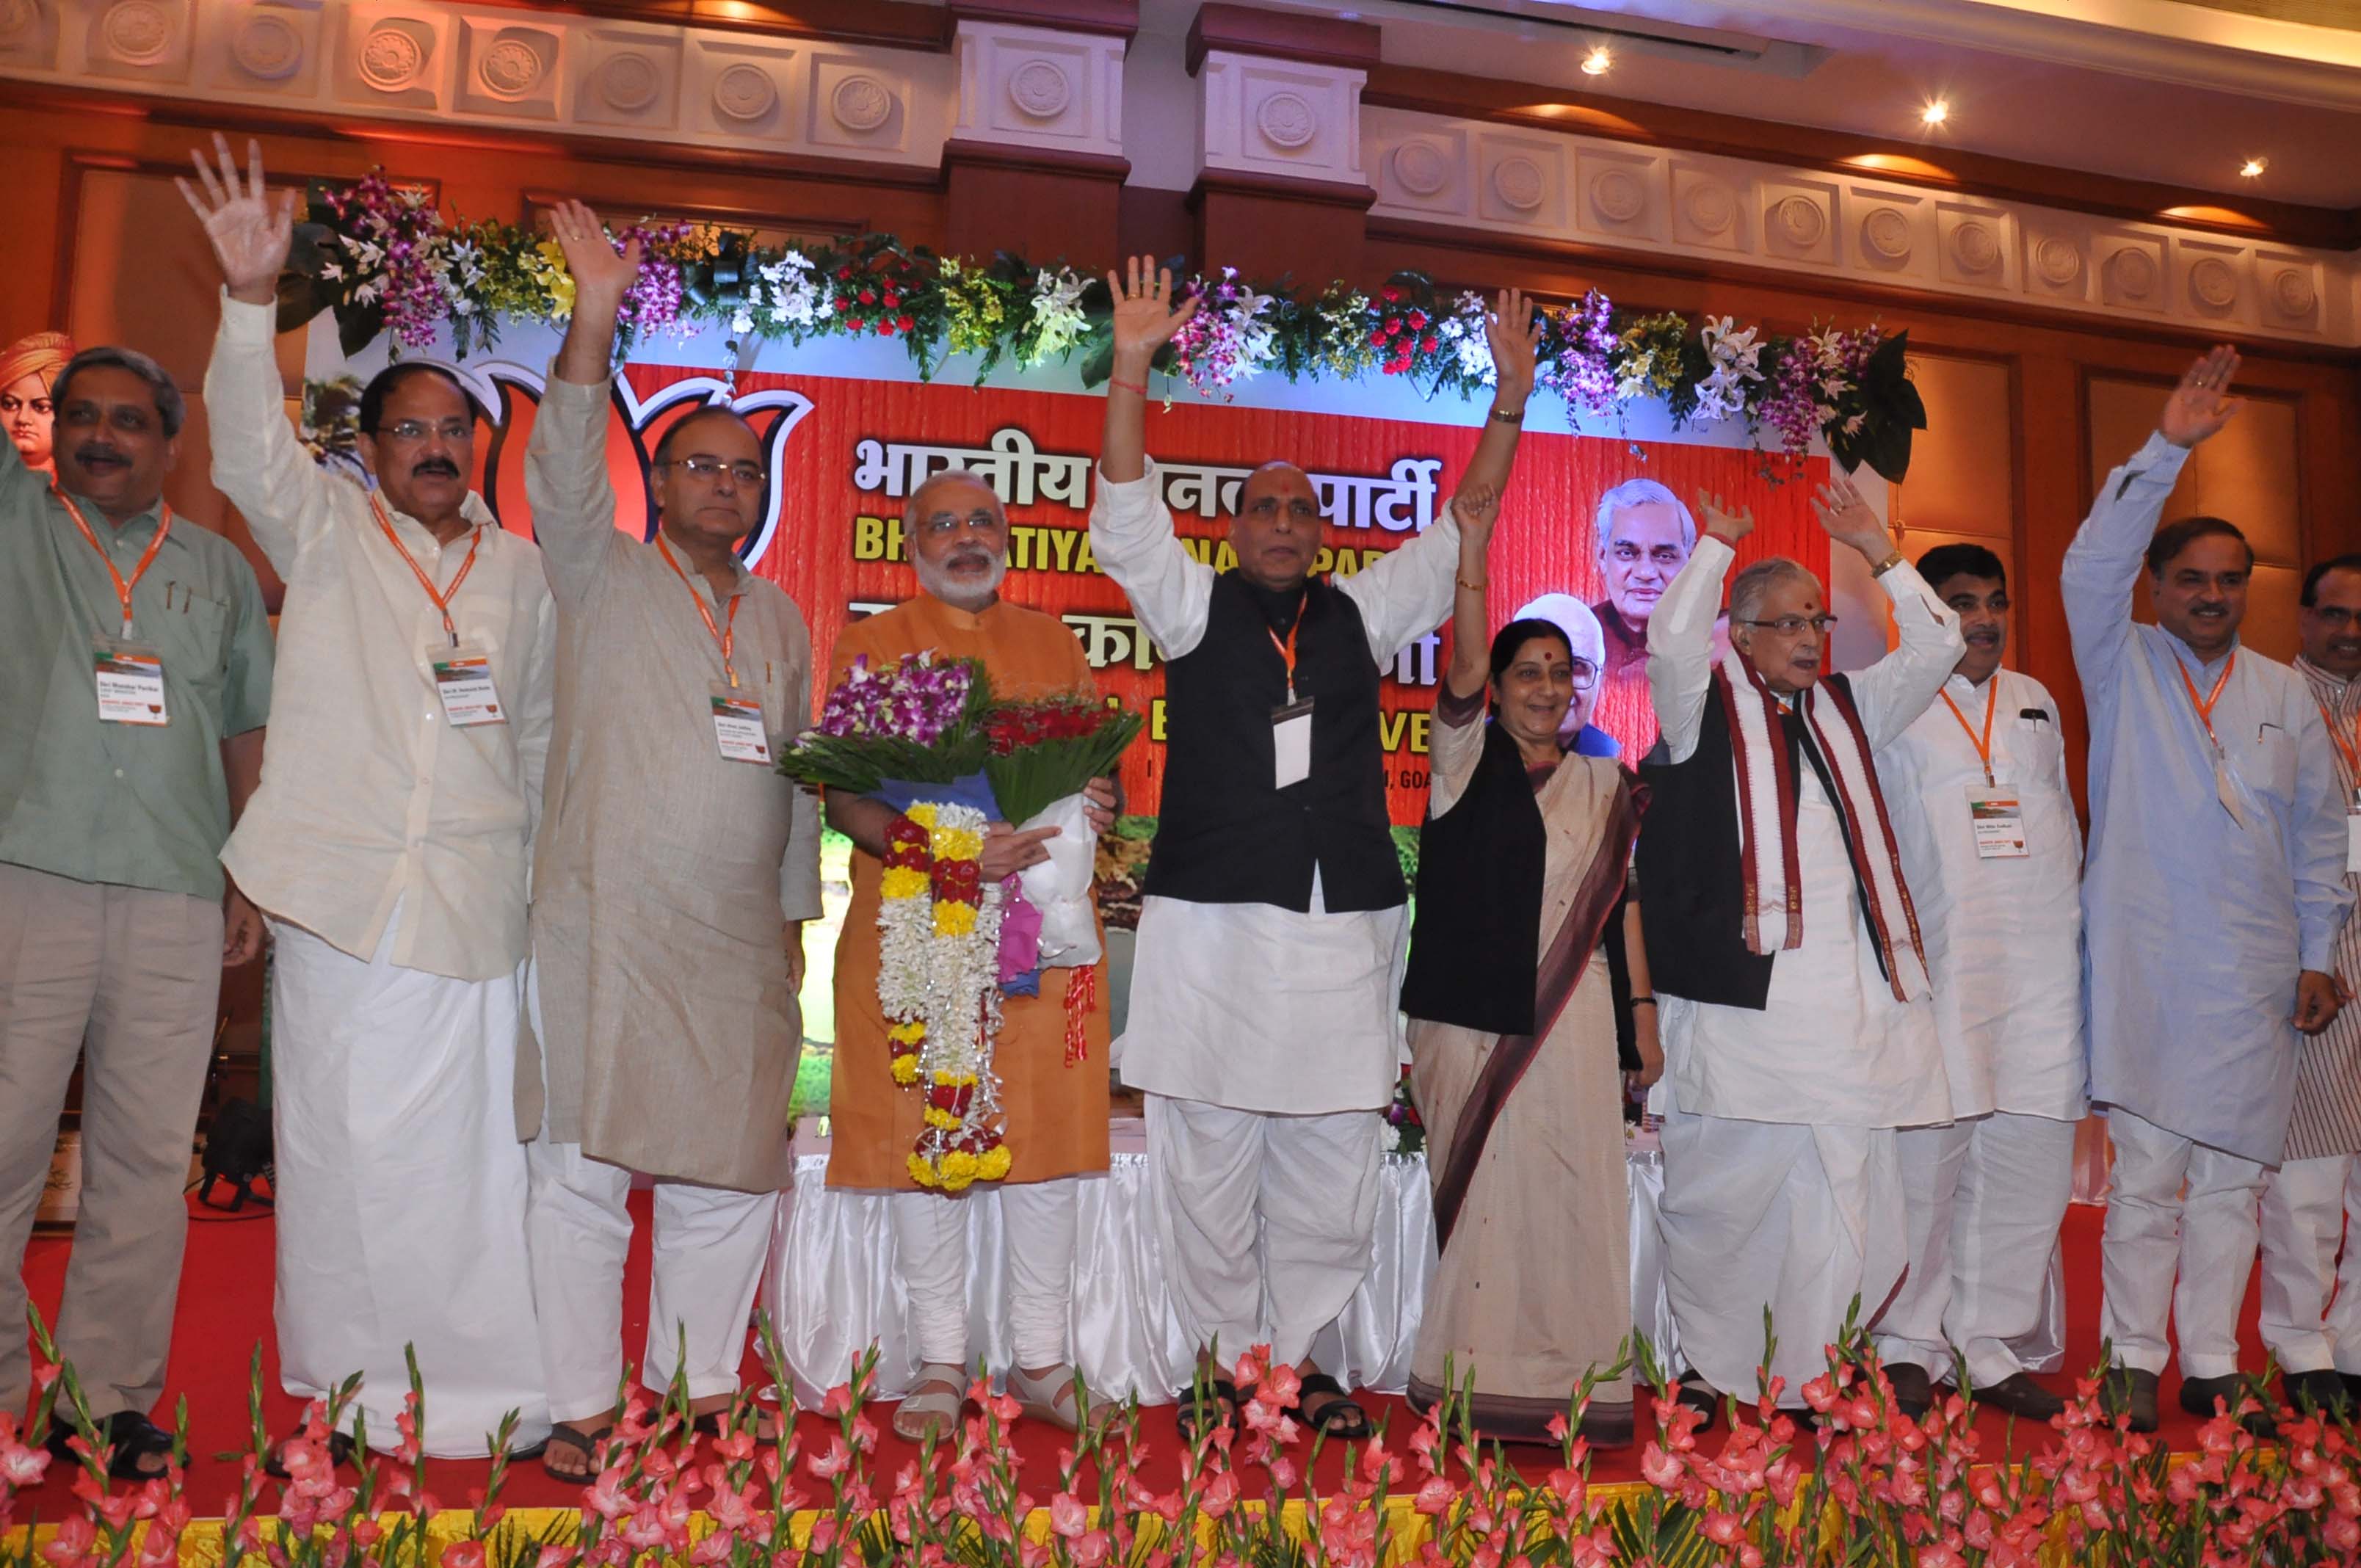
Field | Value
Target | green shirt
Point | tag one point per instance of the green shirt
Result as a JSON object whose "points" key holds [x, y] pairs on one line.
{"points": [[136, 806]]}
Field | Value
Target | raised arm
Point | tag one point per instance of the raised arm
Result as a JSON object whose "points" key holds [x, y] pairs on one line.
{"points": [[1891, 692], [1131, 528], [258, 461], [1477, 507], [2103, 564], [1680, 634], [1514, 330], [565, 467]]}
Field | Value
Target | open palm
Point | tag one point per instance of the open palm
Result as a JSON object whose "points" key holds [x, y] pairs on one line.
{"points": [[1514, 330], [250, 233], [600, 275], [1145, 319], [2200, 406]]}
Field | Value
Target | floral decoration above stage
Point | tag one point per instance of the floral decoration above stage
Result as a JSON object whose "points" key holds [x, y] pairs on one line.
{"points": [[385, 261]]}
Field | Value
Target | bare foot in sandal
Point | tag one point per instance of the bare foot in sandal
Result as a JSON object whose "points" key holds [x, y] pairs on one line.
{"points": [[573, 1450], [933, 1404]]}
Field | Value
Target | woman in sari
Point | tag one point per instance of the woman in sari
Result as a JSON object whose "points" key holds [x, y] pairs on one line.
{"points": [[1521, 884]]}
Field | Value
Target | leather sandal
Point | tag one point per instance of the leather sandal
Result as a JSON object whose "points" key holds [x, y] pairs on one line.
{"points": [[130, 1435], [572, 1440], [340, 1453], [1211, 1405], [1051, 1400], [935, 1412], [1340, 1417]]}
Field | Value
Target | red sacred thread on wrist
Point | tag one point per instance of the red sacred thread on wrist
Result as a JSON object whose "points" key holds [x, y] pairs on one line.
{"points": [[1139, 386]]}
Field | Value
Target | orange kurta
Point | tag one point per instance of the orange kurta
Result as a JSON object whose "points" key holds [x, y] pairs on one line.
{"points": [[1057, 1114]]}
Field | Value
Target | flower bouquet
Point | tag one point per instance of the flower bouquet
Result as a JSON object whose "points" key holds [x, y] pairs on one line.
{"points": [[1042, 755], [912, 736]]}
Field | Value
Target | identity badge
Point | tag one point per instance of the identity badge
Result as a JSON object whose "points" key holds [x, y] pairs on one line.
{"points": [[463, 679], [131, 682], [1291, 741], [1999, 820], [738, 726]]}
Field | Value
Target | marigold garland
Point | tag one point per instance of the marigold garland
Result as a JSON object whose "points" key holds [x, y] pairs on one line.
{"points": [[384, 261]]}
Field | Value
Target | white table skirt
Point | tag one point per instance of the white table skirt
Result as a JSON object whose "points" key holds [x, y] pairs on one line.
{"points": [[833, 1286]]}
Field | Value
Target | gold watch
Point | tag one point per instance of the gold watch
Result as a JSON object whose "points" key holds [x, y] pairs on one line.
{"points": [[1893, 558]]}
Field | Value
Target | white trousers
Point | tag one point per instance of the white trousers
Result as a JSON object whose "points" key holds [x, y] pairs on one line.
{"points": [[1797, 1219], [2306, 1205], [1984, 1198], [707, 1250], [401, 1192], [2208, 1236], [930, 1250], [1267, 1223]]}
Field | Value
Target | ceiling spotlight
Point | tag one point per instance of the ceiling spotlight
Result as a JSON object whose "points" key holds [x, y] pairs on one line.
{"points": [[2253, 168], [1597, 62], [1936, 113]]}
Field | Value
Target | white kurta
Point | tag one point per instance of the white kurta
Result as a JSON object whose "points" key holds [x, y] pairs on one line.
{"points": [[2004, 935], [1250, 1005]]}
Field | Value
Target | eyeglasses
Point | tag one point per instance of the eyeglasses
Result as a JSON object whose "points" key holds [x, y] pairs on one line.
{"points": [[1789, 625], [943, 524], [1583, 674], [711, 469], [2334, 616], [411, 431]]}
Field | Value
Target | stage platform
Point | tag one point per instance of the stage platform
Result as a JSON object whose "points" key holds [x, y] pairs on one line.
{"points": [[224, 1310]]}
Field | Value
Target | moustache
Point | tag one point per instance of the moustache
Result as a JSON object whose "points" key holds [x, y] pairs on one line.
{"points": [[442, 466], [969, 557], [91, 452]]}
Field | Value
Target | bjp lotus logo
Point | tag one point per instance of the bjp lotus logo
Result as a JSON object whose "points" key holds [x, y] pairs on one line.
{"points": [[511, 394]]}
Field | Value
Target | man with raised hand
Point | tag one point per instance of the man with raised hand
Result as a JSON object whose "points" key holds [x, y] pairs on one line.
{"points": [[135, 678], [2211, 898], [671, 884], [1263, 1023], [387, 845], [1994, 855], [1798, 1032]]}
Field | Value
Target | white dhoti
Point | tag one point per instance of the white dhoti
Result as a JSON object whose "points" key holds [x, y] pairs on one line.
{"points": [[2307, 1204], [1984, 1198], [401, 1192], [2208, 1236], [931, 1254], [1267, 1223], [707, 1250], [1802, 1221]]}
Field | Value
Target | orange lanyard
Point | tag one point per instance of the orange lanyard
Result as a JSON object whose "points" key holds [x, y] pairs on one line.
{"points": [[726, 634], [441, 600], [2204, 706], [122, 586], [2349, 748], [1982, 745], [1287, 649]]}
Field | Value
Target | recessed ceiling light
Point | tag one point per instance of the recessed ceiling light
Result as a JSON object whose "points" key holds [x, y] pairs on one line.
{"points": [[2253, 168], [1597, 62], [1936, 113]]}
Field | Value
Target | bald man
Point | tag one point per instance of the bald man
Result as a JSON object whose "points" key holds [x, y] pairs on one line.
{"points": [[1263, 1024]]}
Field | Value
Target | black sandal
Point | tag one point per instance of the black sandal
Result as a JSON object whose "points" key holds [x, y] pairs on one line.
{"points": [[340, 1453], [131, 1435], [1214, 1405], [1340, 1417], [585, 1444]]}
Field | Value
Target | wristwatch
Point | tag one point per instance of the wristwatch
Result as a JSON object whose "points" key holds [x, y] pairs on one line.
{"points": [[1893, 558], [1510, 416]]}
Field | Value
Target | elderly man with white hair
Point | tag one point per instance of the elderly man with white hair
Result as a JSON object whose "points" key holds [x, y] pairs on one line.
{"points": [[1645, 535], [1797, 1030], [1586, 647]]}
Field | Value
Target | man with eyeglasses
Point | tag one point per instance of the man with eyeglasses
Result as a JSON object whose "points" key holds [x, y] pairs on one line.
{"points": [[2212, 900], [1994, 855], [1782, 940], [2313, 1200], [1263, 1023], [388, 846], [1055, 1097], [1645, 535], [1586, 648], [674, 874]]}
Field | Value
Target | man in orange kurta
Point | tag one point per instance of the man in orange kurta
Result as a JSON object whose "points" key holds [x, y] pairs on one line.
{"points": [[1057, 1110]]}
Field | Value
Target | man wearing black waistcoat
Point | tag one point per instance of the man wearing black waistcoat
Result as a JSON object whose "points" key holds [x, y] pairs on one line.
{"points": [[1263, 1026]]}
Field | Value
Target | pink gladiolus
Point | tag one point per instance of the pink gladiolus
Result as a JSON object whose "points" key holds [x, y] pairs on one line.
{"points": [[605, 1497], [21, 1467], [464, 1554], [1659, 1468], [1221, 1495], [838, 1400], [1435, 1496], [1283, 1473], [1066, 1514], [830, 1466]]}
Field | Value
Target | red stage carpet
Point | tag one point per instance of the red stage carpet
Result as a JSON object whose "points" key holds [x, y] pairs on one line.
{"points": [[225, 1307]]}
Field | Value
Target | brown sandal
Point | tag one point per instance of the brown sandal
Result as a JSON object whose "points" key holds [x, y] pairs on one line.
{"points": [[586, 1443]]}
